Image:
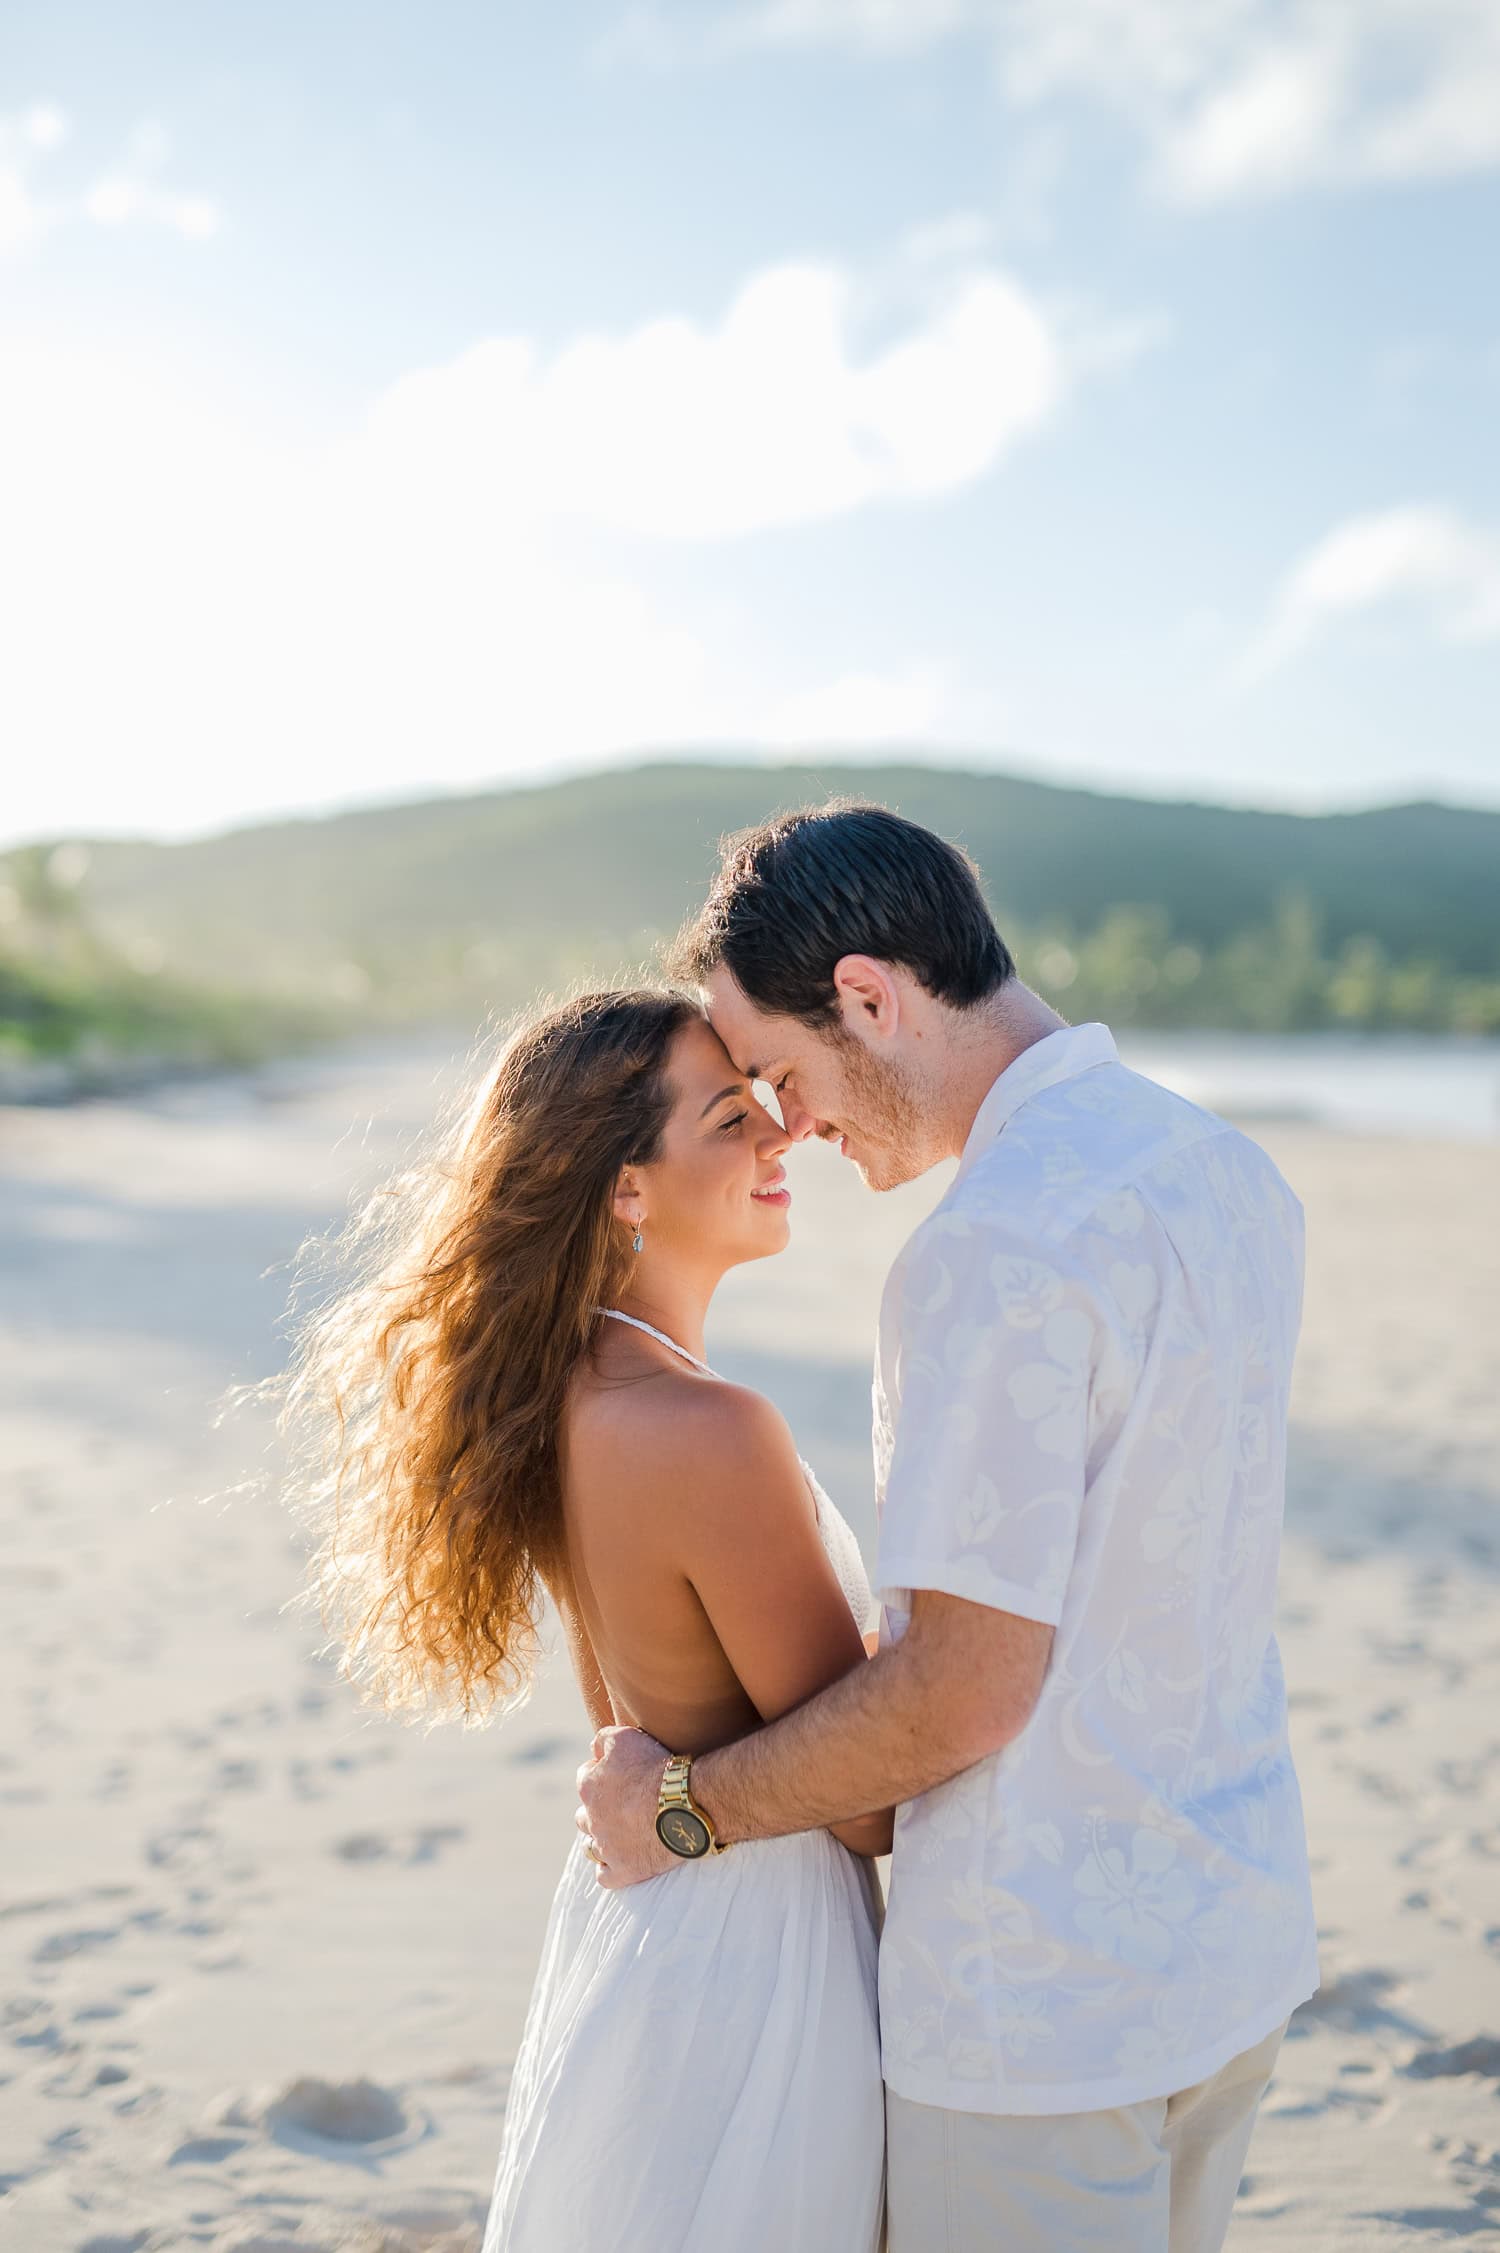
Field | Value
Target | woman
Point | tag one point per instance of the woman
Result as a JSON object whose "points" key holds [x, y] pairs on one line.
{"points": [[517, 1401]]}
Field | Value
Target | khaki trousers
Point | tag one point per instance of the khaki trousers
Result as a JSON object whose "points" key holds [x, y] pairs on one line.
{"points": [[1158, 2177]]}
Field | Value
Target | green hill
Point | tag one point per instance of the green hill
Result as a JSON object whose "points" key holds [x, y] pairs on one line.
{"points": [[1164, 912]]}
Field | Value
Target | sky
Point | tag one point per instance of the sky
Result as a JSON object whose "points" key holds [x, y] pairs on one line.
{"points": [[395, 400]]}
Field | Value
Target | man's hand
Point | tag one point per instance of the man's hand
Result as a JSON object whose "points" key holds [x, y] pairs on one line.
{"points": [[619, 1788]]}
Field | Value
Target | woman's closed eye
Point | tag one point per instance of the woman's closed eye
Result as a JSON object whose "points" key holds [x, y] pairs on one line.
{"points": [[729, 1125]]}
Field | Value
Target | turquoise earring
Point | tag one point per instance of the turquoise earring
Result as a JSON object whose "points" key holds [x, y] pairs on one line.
{"points": [[637, 1245]]}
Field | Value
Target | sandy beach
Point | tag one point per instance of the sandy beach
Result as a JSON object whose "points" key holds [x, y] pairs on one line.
{"points": [[264, 1959]]}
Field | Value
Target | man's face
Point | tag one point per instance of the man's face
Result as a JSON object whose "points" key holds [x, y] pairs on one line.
{"points": [[831, 1085]]}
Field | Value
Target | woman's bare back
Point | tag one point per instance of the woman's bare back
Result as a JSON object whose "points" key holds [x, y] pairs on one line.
{"points": [[658, 1658], [699, 1593]]}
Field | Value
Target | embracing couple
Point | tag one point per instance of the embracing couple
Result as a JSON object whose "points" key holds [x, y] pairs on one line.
{"points": [[1069, 1726]]}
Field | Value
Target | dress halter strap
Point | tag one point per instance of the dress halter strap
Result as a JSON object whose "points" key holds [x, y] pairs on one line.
{"points": [[614, 1315]]}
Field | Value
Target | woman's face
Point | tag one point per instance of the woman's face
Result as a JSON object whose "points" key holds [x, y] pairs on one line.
{"points": [[718, 1188]]}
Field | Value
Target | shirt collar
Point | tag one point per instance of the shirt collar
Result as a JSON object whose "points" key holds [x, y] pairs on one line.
{"points": [[1059, 1056]]}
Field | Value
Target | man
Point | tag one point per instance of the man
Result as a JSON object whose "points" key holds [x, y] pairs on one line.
{"points": [[1099, 1917]]}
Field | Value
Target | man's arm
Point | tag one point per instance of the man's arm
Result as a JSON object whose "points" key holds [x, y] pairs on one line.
{"points": [[961, 1685]]}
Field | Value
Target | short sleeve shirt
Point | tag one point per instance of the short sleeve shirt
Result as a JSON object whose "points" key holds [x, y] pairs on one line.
{"points": [[1081, 1396]]}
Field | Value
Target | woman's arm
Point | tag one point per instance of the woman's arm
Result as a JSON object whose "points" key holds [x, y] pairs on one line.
{"points": [[751, 1549]]}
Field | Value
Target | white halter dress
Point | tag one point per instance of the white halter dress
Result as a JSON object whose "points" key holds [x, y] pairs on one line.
{"points": [[701, 2059]]}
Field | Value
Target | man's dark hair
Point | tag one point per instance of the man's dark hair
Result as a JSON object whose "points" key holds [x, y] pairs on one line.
{"points": [[798, 892]]}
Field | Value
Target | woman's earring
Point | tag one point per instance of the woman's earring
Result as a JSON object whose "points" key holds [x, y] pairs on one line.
{"points": [[637, 1244]]}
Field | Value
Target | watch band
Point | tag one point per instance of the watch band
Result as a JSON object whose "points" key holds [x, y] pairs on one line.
{"points": [[676, 1793]]}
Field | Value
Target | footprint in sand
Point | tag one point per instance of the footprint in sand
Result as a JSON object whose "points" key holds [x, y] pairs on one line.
{"points": [[1294, 2101], [1357, 2002], [406, 1848], [350, 1763], [1430, 1851], [207, 2151], [338, 2118], [1435, 1906], [1260, 2199], [1439, 2221], [82, 2076], [237, 1775], [1381, 1786], [29, 2022], [140, 2102], [41, 1905], [1481, 2055], [1469, 1779], [1475, 2170], [263, 1713], [304, 1780], [83, 1941], [187, 1846]]}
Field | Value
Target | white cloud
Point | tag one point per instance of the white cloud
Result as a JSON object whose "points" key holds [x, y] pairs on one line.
{"points": [[132, 194], [118, 200], [197, 618], [1423, 554], [1230, 97], [22, 140], [773, 416], [128, 195], [1268, 127], [44, 126]]}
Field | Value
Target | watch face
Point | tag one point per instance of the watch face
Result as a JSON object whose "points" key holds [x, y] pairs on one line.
{"points": [[684, 1833]]}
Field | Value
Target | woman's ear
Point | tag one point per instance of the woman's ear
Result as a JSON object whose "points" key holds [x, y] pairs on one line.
{"points": [[630, 1205]]}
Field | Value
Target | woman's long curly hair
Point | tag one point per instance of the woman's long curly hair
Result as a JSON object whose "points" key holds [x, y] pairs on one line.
{"points": [[425, 1397]]}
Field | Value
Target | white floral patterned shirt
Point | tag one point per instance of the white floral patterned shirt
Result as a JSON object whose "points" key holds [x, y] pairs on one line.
{"points": [[1080, 1416]]}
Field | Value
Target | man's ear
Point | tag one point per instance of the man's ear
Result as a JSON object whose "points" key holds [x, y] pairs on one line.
{"points": [[867, 993]]}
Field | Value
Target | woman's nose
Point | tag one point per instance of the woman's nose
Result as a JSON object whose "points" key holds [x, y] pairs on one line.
{"points": [[771, 1139]]}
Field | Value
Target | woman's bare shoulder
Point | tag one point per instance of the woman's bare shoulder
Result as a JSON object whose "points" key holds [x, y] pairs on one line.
{"points": [[674, 1410], [666, 1435]]}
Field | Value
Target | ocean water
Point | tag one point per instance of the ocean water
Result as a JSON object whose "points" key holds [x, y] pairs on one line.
{"points": [[1438, 1087]]}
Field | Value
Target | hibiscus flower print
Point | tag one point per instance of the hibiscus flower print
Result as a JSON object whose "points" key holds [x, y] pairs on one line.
{"points": [[1026, 1290], [1052, 1394], [1021, 2021], [1132, 1908]]}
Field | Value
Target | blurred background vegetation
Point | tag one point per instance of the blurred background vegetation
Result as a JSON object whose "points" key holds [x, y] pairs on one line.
{"points": [[121, 958]]}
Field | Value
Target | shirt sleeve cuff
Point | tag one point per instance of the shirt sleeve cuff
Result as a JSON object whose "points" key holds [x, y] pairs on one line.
{"points": [[898, 1576]]}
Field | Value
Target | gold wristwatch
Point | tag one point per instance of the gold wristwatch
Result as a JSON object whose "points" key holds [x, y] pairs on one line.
{"points": [[681, 1824]]}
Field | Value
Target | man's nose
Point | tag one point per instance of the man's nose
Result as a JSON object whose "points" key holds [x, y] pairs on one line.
{"points": [[799, 1124]]}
